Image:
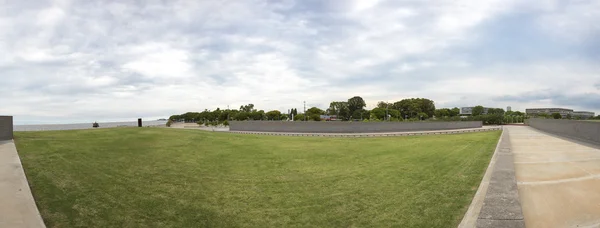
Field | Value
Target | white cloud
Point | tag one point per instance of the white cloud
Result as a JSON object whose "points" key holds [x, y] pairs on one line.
{"points": [[117, 60]]}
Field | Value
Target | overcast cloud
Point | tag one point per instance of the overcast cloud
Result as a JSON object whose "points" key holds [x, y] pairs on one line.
{"points": [[82, 61]]}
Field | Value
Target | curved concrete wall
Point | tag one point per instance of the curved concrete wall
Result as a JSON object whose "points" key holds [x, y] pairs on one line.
{"points": [[582, 130], [348, 127], [6, 127]]}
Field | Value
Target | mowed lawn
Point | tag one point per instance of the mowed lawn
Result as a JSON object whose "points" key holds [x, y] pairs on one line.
{"points": [[159, 177]]}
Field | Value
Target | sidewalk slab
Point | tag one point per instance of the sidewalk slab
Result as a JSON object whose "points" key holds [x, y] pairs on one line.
{"points": [[17, 207], [558, 179]]}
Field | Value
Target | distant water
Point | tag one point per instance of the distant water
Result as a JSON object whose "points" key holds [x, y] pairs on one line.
{"points": [[56, 127]]}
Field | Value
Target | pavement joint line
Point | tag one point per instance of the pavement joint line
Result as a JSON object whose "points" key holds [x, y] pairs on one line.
{"points": [[570, 161], [589, 177]]}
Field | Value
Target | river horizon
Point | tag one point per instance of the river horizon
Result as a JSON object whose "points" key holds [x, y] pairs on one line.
{"points": [[82, 126]]}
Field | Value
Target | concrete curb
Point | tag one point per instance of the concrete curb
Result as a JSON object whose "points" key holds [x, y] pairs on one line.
{"points": [[17, 207], [470, 218], [501, 205], [350, 135]]}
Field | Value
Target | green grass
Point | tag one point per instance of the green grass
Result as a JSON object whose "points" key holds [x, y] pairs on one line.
{"points": [[156, 177]]}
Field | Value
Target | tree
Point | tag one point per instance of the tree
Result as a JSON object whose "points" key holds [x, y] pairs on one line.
{"points": [[411, 107], [383, 104], [454, 111], [247, 108], [378, 113], [339, 108], [241, 116], [356, 103], [315, 117], [336, 106], [394, 114], [314, 111], [569, 116], [443, 112], [344, 113], [273, 115], [299, 117], [556, 115], [477, 110], [498, 111]]}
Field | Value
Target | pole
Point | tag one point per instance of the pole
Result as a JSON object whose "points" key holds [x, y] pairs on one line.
{"points": [[304, 110], [386, 111]]}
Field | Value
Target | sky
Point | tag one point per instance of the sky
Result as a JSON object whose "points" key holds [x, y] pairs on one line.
{"points": [[81, 61]]}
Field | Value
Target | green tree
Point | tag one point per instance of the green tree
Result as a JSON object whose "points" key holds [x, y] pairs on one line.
{"points": [[498, 111], [284, 116], [477, 110], [273, 115], [299, 117], [356, 103], [556, 115], [314, 111], [395, 114], [413, 106], [455, 111], [383, 104], [443, 112], [315, 117], [378, 113], [241, 116], [336, 106], [569, 116], [247, 108], [345, 113]]}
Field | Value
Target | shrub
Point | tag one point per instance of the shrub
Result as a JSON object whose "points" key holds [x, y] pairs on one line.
{"points": [[169, 123], [556, 115], [225, 123]]}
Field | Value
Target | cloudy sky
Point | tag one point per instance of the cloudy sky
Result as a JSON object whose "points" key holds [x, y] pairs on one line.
{"points": [[81, 61]]}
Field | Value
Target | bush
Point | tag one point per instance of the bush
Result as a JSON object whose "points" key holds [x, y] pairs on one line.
{"points": [[225, 123], [169, 123], [556, 115]]}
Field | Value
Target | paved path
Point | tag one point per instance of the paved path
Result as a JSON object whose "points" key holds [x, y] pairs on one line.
{"points": [[17, 207], [558, 179]]}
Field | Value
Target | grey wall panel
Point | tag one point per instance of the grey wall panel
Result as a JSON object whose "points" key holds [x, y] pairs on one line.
{"points": [[6, 127], [583, 130], [348, 127]]}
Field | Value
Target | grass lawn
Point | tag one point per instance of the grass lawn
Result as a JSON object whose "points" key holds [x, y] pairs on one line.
{"points": [[158, 177]]}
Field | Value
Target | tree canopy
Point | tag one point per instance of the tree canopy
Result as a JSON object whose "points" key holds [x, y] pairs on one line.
{"points": [[477, 110]]}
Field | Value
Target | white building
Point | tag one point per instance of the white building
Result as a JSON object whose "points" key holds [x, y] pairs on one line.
{"points": [[469, 110], [583, 114]]}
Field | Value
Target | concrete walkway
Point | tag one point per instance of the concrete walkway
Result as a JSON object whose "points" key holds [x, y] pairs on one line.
{"points": [[558, 179], [17, 207]]}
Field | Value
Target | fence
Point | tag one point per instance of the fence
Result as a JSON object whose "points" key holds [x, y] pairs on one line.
{"points": [[583, 130], [348, 127], [6, 127]]}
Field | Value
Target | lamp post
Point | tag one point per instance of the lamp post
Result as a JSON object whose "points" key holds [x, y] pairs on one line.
{"points": [[386, 111]]}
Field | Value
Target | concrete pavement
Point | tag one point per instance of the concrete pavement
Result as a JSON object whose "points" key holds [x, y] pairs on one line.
{"points": [[558, 179], [17, 207]]}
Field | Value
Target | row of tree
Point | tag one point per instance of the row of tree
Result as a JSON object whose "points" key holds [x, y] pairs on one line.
{"points": [[353, 109]]}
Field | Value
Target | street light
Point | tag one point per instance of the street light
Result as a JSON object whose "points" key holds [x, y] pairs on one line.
{"points": [[387, 116]]}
